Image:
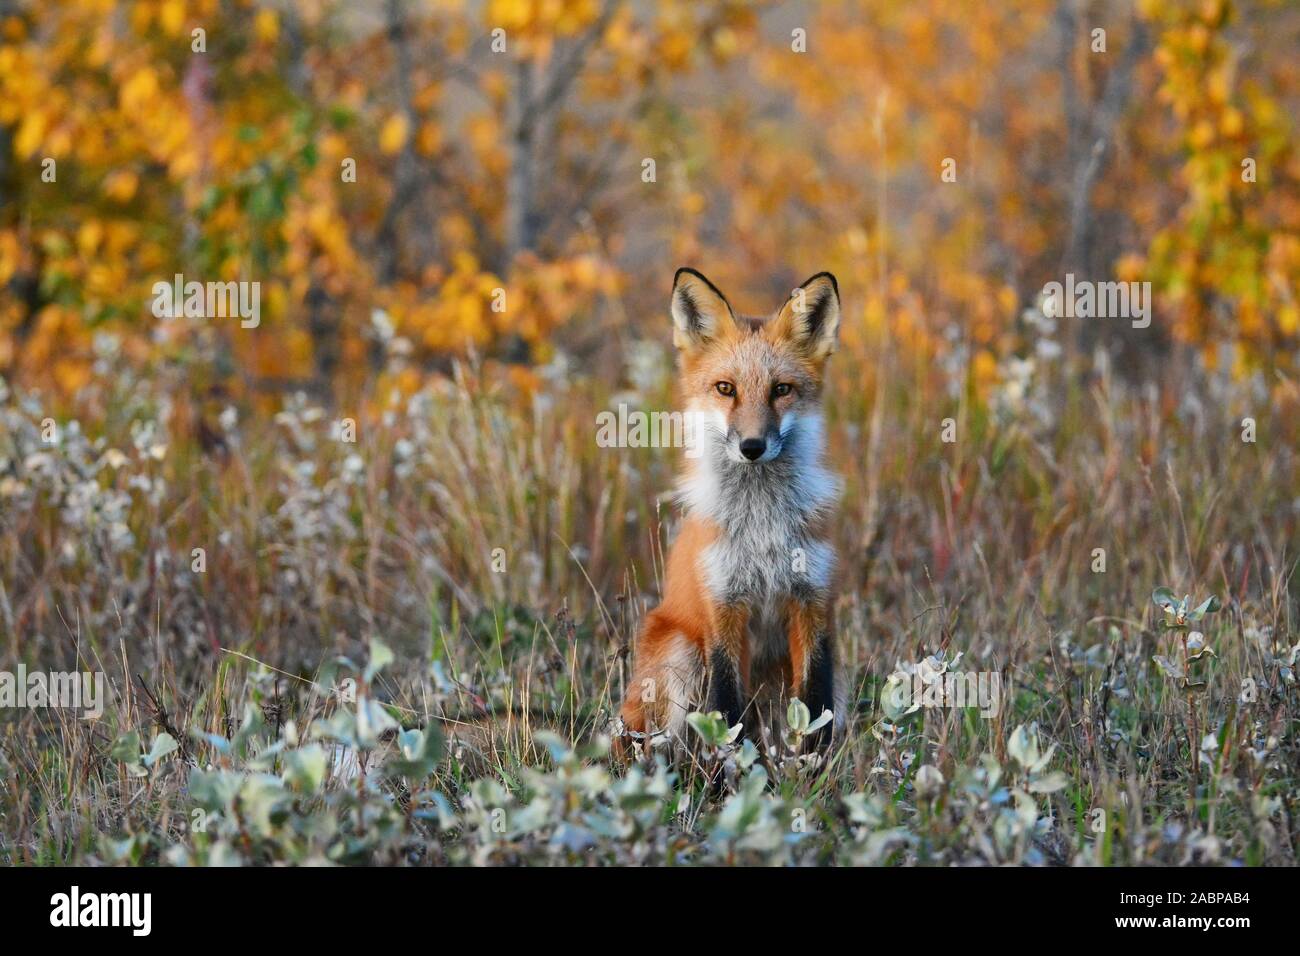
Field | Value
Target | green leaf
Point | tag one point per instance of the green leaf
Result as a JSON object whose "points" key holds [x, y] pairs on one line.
{"points": [[1022, 745], [422, 749], [126, 748], [1208, 606], [372, 721], [797, 716], [217, 742], [748, 754], [1041, 763], [711, 727], [826, 717], [304, 768], [380, 657], [259, 797], [214, 789], [1164, 597], [162, 745], [896, 697], [1049, 782]]}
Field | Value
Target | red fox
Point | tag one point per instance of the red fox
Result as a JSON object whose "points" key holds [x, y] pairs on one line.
{"points": [[746, 614]]}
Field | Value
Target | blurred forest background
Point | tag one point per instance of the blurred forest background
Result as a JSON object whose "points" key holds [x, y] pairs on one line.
{"points": [[524, 170]]}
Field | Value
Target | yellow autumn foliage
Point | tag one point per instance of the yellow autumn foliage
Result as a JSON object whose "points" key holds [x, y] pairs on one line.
{"points": [[501, 203]]}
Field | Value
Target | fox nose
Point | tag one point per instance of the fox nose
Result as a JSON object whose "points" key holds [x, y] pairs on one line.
{"points": [[753, 448]]}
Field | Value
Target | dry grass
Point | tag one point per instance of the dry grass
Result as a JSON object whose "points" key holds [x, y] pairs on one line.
{"points": [[315, 547]]}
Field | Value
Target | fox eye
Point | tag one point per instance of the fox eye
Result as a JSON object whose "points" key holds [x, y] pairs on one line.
{"points": [[781, 389], [725, 388]]}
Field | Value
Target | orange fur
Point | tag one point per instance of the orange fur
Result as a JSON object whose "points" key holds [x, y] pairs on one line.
{"points": [[686, 613], [684, 638]]}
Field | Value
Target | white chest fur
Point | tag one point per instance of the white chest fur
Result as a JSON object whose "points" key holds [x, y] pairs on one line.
{"points": [[764, 511]]}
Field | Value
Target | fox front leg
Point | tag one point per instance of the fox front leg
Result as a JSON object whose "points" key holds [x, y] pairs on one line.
{"points": [[729, 666], [812, 659]]}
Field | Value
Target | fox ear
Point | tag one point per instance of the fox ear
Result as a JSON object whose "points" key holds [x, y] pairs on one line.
{"points": [[701, 313], [811, 317]]}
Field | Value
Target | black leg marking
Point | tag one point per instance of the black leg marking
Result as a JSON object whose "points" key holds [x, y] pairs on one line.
{"points": [[724, 687], [821, 688]]}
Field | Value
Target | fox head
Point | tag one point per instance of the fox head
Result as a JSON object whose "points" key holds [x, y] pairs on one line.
{"points": [[754, 382]]}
